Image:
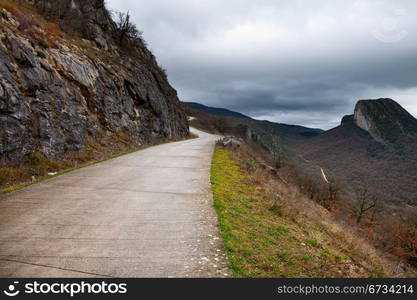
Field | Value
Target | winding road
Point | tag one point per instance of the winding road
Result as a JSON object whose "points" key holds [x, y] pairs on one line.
{"points": [[146, 214]]}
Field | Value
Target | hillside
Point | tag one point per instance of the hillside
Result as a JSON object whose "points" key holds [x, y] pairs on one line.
{"points": [[272, 137], [377, 145], [70, 77], [366, 187], [215, 111], [272, 229]]}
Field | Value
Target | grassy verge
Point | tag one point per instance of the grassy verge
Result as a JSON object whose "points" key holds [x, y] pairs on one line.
{"points": [[266, 234]]}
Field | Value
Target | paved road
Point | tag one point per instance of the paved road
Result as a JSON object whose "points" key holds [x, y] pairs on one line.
{"points": [[147, 214]]}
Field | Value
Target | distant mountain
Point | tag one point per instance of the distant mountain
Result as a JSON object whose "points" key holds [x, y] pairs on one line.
{"points": [[273, 137], [214, 111], [385, 120], [376, 145]]}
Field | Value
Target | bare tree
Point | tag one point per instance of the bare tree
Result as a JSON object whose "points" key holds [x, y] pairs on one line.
{"points": [[220, 124], [125, 28], [333, 193], [366, 202], [277, 152], [329, 201]]}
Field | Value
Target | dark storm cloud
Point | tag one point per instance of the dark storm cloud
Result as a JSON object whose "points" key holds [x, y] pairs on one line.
{"points": [[301, 62]]}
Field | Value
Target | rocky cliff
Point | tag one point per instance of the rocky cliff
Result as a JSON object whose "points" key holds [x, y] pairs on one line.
{"points": [[62, 86], [385, 120], [376, 146]]}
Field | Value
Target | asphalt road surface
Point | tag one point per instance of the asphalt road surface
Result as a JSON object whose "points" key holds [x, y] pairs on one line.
{"points": [[146, 214]]}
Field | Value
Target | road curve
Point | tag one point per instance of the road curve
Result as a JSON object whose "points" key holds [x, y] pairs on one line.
{"points": [[146, 214]]}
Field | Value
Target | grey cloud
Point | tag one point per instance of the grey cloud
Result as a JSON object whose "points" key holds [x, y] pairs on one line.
{"points": [[300, 62]]}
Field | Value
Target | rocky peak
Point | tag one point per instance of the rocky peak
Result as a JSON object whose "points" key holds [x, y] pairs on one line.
{"points": [[385, 120], [347, 119]]}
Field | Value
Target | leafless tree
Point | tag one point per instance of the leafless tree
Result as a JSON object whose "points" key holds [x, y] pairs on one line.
{"points": [[366, 202], [125, 28], [330, 199], [333, 193], [277, 152], [220, 124]]}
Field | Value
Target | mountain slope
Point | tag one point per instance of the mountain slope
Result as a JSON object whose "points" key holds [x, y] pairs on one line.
{"points": [[215, 111], [273, 137], [62, 89], [376, 146], [370, 187], [271, 229]]}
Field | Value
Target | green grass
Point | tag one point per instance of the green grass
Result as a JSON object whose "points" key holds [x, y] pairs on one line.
{"points": [[261, 243], [40, 54]]}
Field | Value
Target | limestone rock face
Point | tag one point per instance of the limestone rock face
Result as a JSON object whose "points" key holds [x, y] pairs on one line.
{"points": [[55, 99], [385, 120]]}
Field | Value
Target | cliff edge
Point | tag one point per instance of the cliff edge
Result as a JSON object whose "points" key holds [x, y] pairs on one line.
{"points": [[385, 120], [65, 80]]}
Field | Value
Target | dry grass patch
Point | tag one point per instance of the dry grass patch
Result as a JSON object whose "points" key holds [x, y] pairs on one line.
{"points": [[193, 136], [37, 29], [11, 6]]}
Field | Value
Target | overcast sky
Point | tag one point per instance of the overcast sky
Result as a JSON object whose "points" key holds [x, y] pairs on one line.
{"points": [[297, 62]]}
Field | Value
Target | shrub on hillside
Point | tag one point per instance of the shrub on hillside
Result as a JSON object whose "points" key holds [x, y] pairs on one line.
{"points": [[400, 239]]}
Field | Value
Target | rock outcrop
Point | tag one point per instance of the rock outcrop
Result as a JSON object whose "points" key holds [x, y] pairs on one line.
{"points": [[59, 90], [377, 146], [385, 120], [347, 119], [231, 142]]}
